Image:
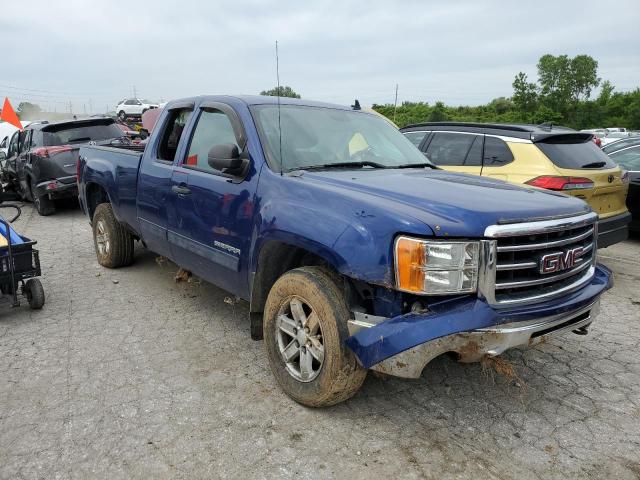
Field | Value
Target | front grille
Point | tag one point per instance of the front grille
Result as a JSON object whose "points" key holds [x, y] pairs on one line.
{"points": [[519, 252]]}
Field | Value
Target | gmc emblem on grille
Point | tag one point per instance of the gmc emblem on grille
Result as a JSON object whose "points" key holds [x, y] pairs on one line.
{"points": [[559, 261]]}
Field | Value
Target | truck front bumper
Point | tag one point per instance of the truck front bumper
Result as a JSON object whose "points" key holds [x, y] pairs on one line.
{"points": [[469, 327]]}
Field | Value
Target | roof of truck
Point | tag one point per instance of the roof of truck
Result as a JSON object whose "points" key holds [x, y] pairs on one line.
{"points": [[260, 100]]}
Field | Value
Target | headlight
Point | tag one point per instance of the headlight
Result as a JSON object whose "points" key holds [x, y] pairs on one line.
{"points": [[431, 267]]}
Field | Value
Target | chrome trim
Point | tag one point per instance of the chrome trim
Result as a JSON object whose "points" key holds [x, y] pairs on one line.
{"points": [[536, 228], [488, 259], [362, 320], [474, 345], [538, 246], [543, 280], [580, 282], [516, 266]]}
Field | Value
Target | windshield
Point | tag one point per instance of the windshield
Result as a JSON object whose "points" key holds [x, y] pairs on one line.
{"points": [[79, 133], [315, 137]]}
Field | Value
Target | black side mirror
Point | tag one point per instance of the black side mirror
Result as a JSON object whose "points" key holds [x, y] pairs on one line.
{"points": [[226, 158]]}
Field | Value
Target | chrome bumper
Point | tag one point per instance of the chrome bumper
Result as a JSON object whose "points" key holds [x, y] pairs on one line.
{"points": [[473, 345]]}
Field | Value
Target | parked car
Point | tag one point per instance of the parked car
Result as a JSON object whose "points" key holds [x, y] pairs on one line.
{"points": [[620, 144], [352, 249], [555, 158], [133, 107], [41, 161], [613, 137], [6, 132], [629, 159]]}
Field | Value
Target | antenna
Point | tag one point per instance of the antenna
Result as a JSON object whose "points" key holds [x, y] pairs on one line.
{"points": [[278, 92]]}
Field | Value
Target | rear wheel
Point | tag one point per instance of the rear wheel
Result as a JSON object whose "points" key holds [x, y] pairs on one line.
{"points": [[122, 115], [34, 293], [113, 244], [305, 326], [44, 205]]}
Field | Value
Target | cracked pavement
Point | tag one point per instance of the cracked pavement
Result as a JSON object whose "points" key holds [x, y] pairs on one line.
{"points": [[146, 378]]}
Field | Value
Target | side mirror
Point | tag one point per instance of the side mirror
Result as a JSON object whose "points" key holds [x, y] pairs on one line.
{"points": [[3, 156], [226, 158]]}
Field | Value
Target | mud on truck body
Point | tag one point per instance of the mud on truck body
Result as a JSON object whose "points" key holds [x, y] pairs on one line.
{"points": [[353, 251]]}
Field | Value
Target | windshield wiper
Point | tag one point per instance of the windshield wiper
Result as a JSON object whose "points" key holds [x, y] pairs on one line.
{"points": [[343, 165], [416, 165], [594, 165]]}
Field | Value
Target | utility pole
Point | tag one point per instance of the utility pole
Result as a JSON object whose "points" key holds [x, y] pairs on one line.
{"points": [[395, 105], [90, 106]]}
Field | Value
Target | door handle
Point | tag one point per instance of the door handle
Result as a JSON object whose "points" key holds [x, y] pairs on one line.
{"points": [[180, 190]]}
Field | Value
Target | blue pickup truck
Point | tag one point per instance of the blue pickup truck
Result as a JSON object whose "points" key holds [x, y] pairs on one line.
{"points": [[352, 249]]}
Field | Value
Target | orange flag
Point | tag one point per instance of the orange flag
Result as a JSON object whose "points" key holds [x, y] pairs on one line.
{"points": [[9, 115]]}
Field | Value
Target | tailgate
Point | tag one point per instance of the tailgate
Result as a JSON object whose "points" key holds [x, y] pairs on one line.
{"points": [[608, 195]]}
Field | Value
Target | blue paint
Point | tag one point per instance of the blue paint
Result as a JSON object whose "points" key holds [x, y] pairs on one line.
{"points": [[349, 218], [372, 345], [15, 238]]}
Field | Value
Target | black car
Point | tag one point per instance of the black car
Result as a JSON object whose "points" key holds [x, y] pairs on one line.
{"points": [[629, 159], [41, 160]]}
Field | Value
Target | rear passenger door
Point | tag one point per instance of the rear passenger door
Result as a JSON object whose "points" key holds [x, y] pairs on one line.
{"points": [[456, 151], [155, 200]]}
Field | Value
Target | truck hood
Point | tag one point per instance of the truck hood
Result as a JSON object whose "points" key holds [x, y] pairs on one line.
{"points": [[451, 204]]}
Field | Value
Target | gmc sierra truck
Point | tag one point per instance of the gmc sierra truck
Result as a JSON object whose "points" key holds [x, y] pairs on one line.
{"points": [[352, 249]]}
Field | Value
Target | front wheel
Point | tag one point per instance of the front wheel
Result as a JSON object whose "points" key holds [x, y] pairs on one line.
{"points": [[113, 244], [121, 115], [305, 326]]}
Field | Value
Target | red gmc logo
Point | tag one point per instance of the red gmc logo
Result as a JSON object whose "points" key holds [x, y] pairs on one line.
{"points": [[559, 261]]}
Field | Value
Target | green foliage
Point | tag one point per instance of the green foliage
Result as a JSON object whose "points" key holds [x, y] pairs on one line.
{"points": [[282, 91], [561, 95]]}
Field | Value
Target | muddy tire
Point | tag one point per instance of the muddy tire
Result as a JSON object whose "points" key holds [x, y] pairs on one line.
{"points": [[35, 293], [113, 244], [121, 115], [44, 205], [305, 327]]}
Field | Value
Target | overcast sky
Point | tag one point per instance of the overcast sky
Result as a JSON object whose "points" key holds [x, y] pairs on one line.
{"points": [[462, 52]]}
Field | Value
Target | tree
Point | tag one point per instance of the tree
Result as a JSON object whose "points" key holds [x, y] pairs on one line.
{"points": [[565, 81], [525, 96], [28, 110], [280, 92], [438, 113]]}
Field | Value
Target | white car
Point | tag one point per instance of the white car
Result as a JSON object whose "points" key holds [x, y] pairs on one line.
{"points": [[133, 107], [6, 131]]}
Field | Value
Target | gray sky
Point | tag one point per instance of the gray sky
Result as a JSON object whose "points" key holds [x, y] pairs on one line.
{"points": [[462, 52]]}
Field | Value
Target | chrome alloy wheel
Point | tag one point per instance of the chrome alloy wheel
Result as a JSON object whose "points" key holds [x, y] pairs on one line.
{"points": [[102, 238], [300, 339]]}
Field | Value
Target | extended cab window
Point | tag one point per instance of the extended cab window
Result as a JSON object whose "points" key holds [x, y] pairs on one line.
{"points": [[213, 128], [172, 134], [452, 149], [496, 152]]}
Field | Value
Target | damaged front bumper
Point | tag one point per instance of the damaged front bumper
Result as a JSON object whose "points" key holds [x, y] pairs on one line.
{"points": [[469, 327]]}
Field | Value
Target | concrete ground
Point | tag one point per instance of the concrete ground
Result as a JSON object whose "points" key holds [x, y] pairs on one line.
{"points": [[126, 374]]}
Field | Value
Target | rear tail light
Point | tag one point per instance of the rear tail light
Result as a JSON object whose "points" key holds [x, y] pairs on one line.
{"points": [[597, 141], [561, 183], [50, 151]]}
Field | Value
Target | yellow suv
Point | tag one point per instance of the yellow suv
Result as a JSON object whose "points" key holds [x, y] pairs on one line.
{"points": [[545, 156]]}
